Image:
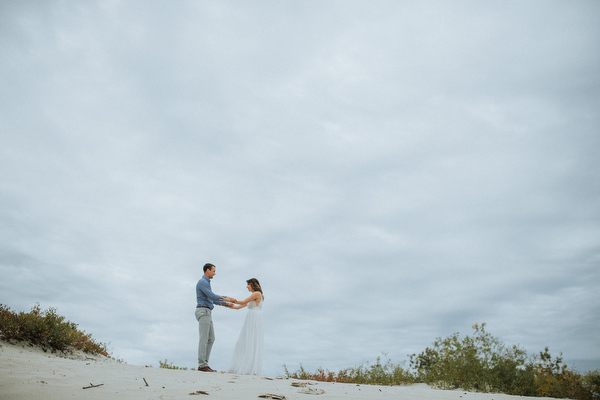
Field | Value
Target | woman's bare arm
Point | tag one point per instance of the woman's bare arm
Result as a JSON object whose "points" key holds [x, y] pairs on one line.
{"points": [[254, 296]]}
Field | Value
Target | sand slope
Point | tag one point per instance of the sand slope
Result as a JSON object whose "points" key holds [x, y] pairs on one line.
{"points": [[28, 373]]}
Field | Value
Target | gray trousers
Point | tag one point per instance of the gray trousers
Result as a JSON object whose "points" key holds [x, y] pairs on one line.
{"points": [[206, 335]]}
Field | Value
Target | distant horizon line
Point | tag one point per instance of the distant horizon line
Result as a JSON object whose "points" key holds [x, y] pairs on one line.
{"points": [[583, 366]]}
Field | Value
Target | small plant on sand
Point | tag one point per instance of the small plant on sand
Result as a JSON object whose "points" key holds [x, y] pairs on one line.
{"points": [[376, 374], [46, 329], [167, 365]]}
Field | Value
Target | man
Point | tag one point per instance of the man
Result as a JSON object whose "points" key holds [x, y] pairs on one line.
{"points": [[206, 300]]}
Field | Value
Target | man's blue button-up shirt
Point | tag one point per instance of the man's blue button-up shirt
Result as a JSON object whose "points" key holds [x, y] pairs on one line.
{"points": [[205, 296]]}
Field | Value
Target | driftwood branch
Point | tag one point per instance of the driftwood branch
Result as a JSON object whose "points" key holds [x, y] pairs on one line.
{"points": [[92, 386]]}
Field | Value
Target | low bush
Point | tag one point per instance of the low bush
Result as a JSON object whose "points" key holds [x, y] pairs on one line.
{"points": [[46, 329], [483, 363], [167, 365], [554, 379], [479, 362], [376, 374]]}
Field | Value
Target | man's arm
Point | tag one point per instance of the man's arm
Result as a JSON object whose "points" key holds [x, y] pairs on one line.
{"points": [[226, 301], [216, 299]]}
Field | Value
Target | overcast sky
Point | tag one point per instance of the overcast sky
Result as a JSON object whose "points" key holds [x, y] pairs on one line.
{"points": [[390, 171]]}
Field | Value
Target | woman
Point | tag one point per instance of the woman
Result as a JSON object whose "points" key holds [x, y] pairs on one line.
{"points": [[248, 353]]}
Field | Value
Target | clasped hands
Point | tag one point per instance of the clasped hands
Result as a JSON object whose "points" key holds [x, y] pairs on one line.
{"points": [[230, 301]]}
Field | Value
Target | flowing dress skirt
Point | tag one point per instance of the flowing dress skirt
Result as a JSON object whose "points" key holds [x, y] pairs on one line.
{"points": [[248, 353]]}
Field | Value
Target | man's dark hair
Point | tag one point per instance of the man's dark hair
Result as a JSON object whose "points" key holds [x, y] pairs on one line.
{"points": [[208, 266]]}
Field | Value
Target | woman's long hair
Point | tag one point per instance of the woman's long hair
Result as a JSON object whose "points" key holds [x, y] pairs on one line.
{"points": [[255, 285]]}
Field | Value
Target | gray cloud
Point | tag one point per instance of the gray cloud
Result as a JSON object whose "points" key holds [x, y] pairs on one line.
{"points": [[391, 173]]}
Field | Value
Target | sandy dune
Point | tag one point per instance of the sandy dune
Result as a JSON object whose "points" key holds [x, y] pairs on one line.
{"points": [[28, 373]]}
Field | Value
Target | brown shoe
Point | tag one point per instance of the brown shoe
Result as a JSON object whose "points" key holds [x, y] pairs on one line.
{"points": [[206, 369]]}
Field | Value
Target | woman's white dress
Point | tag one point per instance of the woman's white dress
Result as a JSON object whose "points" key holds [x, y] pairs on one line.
{"points": [[248, 353]]}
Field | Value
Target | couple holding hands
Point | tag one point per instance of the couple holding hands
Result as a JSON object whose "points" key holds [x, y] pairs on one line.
{"points": [[247, 356]]}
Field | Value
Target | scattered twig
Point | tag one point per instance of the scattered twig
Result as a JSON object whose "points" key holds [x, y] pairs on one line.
{"points": [[145, 381], [311, 391], [92, 386], [198, 392], [302, 384], [272, 396]]}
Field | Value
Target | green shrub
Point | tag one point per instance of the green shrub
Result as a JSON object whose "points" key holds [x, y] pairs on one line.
{"points": [[376, 374], [46, 329], [481, 362], [554, 379], [591, 381], [478, 362], [165, 364]]}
